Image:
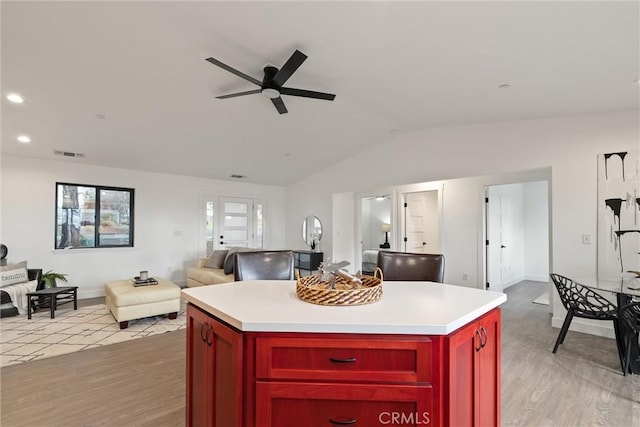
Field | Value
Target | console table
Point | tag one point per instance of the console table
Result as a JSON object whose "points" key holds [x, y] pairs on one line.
{"points": [[307, 260]]}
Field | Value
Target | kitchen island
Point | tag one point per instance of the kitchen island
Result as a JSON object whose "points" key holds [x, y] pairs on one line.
{"points": [[425, 354]]}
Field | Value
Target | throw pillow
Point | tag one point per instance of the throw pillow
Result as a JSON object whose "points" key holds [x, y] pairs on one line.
{"points": [[216, 260], [228, 262], [12, 274]]}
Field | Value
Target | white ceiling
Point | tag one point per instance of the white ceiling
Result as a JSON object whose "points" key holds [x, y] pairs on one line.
{"points": [[392, 66]]}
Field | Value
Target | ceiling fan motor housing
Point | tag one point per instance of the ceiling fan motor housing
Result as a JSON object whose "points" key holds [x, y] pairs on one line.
{"points": [[269, 73]]}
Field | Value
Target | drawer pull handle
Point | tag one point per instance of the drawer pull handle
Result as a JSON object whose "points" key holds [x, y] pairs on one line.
{"points": [[345, 360], [342, 421], [203, 336], [479, 340], [483, 331]]}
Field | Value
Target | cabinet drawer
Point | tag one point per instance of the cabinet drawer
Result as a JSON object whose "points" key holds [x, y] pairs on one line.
{"points": [[300, 404], [367, 360]]}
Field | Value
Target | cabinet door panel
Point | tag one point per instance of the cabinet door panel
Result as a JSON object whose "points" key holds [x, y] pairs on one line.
{"points": [[199, 406], [462, 376], [474, 373], [214, 372], [489, 371], [299, 404]]}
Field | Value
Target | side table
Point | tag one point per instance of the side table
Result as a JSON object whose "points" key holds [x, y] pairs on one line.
{"points": [[56, 296], [307, 260]]}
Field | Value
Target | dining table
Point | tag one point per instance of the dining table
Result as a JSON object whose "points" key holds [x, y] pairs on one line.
{"points": [[626, 288]]}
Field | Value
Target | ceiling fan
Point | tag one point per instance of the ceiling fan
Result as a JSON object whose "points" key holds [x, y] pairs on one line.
{"points": [[274, 78]]}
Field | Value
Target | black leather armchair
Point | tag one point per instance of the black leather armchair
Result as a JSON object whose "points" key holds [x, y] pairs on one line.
{"points": [[34, 274], [402, 266], [263, 265]]}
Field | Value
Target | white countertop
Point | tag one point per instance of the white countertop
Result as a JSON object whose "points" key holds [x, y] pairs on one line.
{"points": [[405, 308]]}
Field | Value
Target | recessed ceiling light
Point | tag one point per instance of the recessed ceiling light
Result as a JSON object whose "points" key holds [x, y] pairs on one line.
{"points": [[14, 97], [100, 116], [24, 139], [504, 86], [237, 176], [395, 131]]}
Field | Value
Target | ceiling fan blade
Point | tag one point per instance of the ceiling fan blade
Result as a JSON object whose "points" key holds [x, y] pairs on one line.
{"points": [[233, 95], [234, 71], [279, 104], [306, 93], [289, 67]]}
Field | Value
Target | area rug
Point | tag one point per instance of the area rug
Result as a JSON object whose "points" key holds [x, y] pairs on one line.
{"points": [[23, 340], [542, 299]]}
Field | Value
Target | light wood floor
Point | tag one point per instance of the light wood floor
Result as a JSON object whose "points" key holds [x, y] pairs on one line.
{"points": [[581, 385], [142, 382]]}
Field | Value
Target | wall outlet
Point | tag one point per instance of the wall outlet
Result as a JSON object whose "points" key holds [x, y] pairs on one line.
{"points": [[465, 276], [586, 239]]}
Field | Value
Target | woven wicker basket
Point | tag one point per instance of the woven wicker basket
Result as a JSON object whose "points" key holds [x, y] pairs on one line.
{"points": [[312, 289]]}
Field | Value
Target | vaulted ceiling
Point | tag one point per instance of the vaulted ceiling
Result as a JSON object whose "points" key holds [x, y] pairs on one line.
{"points": [[127, 84]]}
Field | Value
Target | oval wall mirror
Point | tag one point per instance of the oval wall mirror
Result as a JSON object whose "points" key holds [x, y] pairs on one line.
{"points": [[312, 231]]}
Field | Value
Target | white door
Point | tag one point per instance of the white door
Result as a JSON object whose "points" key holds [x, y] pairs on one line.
{"points": [[235, 223], [494, 246], [421, 222]]}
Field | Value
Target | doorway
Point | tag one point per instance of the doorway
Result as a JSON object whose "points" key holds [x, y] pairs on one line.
{"points": [[227, 221], [516, 234]]}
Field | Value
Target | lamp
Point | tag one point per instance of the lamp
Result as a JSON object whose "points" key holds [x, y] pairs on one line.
{"points": [[386, 228]]}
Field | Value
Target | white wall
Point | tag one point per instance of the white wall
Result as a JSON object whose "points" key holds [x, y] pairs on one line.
{"points": [[343, 230], [569, 145], [536, 231], [166, 220]]}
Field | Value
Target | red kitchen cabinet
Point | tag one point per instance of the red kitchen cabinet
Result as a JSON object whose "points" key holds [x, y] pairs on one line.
{"points": [[474, 373], [214, 372], [260, 379]]}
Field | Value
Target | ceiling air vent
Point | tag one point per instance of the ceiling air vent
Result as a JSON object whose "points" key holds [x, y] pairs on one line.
{"points": [[236, 176], [68, 154]]}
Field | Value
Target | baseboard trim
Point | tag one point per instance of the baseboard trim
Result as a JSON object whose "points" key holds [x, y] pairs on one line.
{"points": [[537, 278], [512, 282], [84, 293], [90, 293], [601, 328]]}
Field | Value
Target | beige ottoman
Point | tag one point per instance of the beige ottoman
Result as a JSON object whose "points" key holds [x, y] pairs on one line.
{"points": [[127, 302]]}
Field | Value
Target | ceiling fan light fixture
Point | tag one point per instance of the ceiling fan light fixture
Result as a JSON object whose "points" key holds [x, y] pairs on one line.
{"points": [[270, 93]]}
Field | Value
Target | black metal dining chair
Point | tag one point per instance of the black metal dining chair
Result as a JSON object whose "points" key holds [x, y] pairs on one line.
{"points": [[580, 301], [403, 266], [630, 315], [263, 265]]}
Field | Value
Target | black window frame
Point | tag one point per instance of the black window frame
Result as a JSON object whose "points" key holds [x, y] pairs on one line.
{"points": [[96, 237]]}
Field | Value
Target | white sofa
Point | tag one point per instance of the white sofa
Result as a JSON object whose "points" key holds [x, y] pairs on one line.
{"points": [[201, 275]]}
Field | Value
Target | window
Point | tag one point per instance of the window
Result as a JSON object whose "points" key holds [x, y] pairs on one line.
{"points": [[90, 216]]}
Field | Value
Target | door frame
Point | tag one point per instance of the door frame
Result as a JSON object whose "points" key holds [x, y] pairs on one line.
{"points": [[383, 191], [536, 175], [217, 200]]}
